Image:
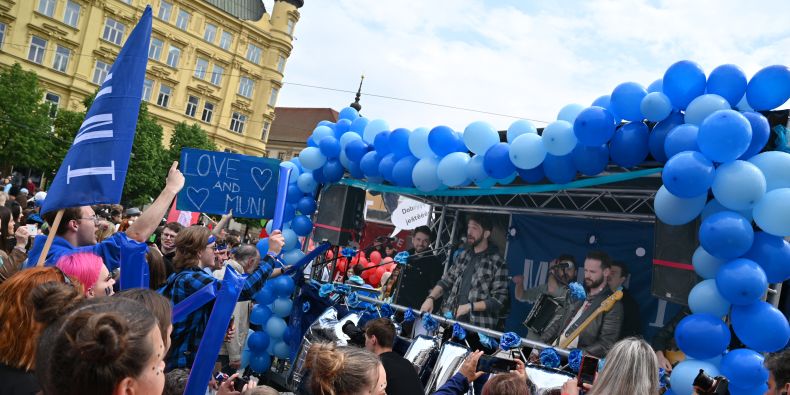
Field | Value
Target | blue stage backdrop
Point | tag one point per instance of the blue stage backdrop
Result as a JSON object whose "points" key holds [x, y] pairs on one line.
{"points": [[536, 240]]}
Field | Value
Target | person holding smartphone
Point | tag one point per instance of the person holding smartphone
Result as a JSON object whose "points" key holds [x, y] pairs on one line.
{"points": [[511, 383], [631, 368]]}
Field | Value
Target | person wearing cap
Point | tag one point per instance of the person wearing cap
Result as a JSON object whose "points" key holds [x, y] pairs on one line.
{"points": [[562, 271]]}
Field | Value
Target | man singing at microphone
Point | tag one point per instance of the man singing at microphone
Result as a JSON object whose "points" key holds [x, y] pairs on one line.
{"points": [[424, 269]]}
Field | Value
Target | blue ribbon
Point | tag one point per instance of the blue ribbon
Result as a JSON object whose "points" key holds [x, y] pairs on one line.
{"points": [[387, 311], [487, 341], [134, 268], [429, 323], [298, 266], [325, 290], [194, 302], [348, 252], [459, 332], [408, 316], [356, 280], [402, 257], [353, 300], [509, 340], [577, 291], [549, 358], [448, 315], [575, 359], [343, 289]]}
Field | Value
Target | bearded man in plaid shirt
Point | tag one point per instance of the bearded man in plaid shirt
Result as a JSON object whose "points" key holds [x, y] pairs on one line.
{"points": [[475, 288], [194, 252]]}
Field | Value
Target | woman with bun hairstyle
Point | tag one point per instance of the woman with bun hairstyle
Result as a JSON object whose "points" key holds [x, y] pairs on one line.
{"points": [[344, 371], [91, 272], [19, 331]]}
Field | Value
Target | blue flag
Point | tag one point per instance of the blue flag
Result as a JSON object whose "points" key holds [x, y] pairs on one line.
{"points": [[94, 169]]}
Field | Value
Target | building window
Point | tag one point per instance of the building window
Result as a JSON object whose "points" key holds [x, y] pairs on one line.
{"points": [[265, 131], [173, 55], [165, 9], [273, 97], [155, 50], [216, 75], [192, 104], [246, 86], [226, 40], [280, 63], [291, 27], [182, 22], [72, 15], [2, 34], [237, 122], [210, 33], [62, 55], [37, 48], [113, 31], [208, 111], [253, 53], [46, 7], [201, 67], [164, 95], [148, 87], [53, 101], [281, 155], [100, 72]]}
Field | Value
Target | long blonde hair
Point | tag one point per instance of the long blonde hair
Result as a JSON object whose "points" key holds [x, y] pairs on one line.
{"points": [[340, 370], [631, 368]]}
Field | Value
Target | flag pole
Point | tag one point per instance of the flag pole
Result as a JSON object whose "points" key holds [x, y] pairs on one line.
{"points": [[51, 236]]}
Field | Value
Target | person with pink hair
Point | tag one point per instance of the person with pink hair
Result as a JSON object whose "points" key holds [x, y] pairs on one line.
{"points": [[90, 270]]}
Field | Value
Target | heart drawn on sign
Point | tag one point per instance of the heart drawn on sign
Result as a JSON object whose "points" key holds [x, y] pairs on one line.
{"points": [[198, 197], [262, 177]]}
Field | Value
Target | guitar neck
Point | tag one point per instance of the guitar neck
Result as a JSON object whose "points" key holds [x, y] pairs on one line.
{"points": [[605, 306]]}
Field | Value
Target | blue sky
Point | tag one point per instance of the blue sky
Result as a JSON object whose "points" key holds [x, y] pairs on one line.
{"points": [[523, 59]]}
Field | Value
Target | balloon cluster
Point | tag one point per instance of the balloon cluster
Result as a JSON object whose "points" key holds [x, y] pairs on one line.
{"points": [[374, 267]]}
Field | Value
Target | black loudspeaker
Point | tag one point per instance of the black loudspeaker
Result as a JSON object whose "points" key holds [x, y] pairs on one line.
{"points": [[673, 273], [340, 218]]}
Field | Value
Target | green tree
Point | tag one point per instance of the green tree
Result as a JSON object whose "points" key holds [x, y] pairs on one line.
{"points": [[66, 125], [188, 136], [147, 165], [25, 125]]}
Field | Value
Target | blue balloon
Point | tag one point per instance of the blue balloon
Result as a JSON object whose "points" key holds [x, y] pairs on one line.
{"points": [[372, 130], [590, 160], [655, 106], [726, 235], [772, 253], [475, 169], [311, 142], [260, 314], [322, 131], [382, 143], [348, 113], [486, 183], [356, 171], [442, 140], [370, 164], [769, 88], [558, 138], [296, 171], [703, 106], [258, 342], [681, 138], [626, 99], [705, 264], [684, 373], [761, 130], [535, 175], [342, 127], [275, 327], [333, 171], [290, 239], [263, 244], [772, 213], [306, 183], [702, 336], [329, 146], [688, 174], [684, 81], [302, 225], [594, 126], [656, 86], [714, 207], [356, 149], [559, 169], [401, 172], [774, 166], [386, 165], [706, 298], [760, 389], [659, 134], [527, 151], [724, 136], [288, 214], [448, 170], [760, 326], [629, 146], [282, 307], [312, 158], [283, 286], [744, 368], [293, 257], [673, 210], [347, 138], [518, 128], [727, 81], [261, 362], [738, 185], [425, 175], [418, 143], [507, 180], [358, 125], [306, 205], [569, 112], [293, 194], [480, 136], [497, 162], [318, 176], [741, 281], [399, 142], [281, 350]]}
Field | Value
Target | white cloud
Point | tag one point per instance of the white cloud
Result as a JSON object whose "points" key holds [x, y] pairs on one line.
{"points": [[489, 56]]}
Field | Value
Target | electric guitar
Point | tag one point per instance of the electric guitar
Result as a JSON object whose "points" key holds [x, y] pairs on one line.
{"points": [[605, 306]]}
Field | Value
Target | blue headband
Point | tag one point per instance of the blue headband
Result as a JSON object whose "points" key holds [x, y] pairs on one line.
{"points": [[211, 239]]}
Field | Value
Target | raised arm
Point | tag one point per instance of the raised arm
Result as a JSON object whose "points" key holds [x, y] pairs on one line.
{"points": [[145, 226]]}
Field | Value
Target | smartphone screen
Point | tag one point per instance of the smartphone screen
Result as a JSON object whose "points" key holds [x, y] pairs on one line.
{"points": [[32, 229], [490, 364], [587, 370]]}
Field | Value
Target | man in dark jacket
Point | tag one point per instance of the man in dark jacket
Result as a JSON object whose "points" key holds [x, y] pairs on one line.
{"points": [[401, 374], [632, 322], [424, 269], [604, 330]]}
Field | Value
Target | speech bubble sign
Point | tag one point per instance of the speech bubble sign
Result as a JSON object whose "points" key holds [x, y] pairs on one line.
{"points": [[410, 214]]}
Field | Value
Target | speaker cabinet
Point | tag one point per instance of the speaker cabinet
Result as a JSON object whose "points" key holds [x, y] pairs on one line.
{"points": [[340, 218], [673, 274]]}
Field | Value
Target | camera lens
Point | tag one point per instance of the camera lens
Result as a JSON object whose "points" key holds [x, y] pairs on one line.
{"points": [[704, 382]]}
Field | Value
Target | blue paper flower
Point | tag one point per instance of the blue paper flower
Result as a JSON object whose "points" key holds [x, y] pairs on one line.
{"points": [[487, 341], [577, 291], [325, 290], [601, 364], [509, 340], [409, 316], [343, 289], [353, 300], [401, 257], [549, 358], [305, 307], [459, 332], [448, 315], [387, 311], [662, 378], [348, 252], [575, 359], [429, 323], [356, 280]]}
